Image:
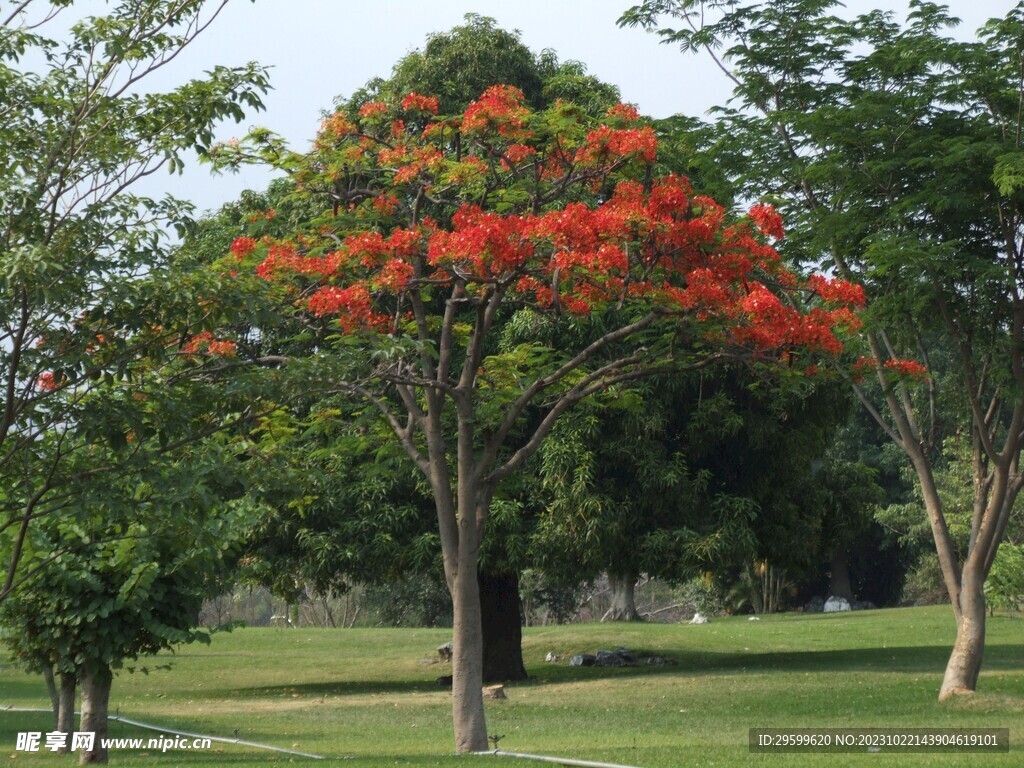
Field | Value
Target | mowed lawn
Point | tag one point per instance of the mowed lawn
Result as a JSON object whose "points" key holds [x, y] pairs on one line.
{"points": [[368, 697]]}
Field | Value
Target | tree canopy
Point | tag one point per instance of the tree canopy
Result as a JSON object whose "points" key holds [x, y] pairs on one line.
{"points": [[437, 229], [88, 298], [894, 151]]}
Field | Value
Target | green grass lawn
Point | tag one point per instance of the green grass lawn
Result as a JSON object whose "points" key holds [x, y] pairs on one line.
{"points": [[368, 698]]}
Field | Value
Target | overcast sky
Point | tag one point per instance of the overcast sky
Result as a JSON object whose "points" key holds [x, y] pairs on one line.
{"points": [[322, 49]]}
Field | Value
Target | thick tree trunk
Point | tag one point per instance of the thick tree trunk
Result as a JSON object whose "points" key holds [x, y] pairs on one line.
{"points": [[501, 618], [839, 576], [467, 662], [95, 703], [66, 707], [623, 601], [965, 662]]}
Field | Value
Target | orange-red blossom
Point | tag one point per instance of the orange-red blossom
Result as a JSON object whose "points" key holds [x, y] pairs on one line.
{"points": [[652, 243]]}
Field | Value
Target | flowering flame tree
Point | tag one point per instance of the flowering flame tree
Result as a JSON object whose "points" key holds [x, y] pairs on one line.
{"points": [[436, 231]]}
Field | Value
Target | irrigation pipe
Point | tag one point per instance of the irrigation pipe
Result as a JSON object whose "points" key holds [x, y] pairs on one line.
{"points": [[220, 739], [556, 760]]}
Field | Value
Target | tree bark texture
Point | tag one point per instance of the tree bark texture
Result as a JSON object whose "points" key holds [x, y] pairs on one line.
{"points": [[95, 704], [964, 664], [66, 707], [51, 689], [839, 576], [501, 617], [467, 663], [623, 606]]}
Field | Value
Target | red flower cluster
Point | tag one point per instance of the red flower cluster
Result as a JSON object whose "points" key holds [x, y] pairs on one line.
{"points": [[909, 368], [612, 143], [500, 108], [515, 154], [47, 382], [767, 220], [285, 258], [653, 242], [486, 243], [242, 247], [372, 110], [414, 102], [422, 159], [385, 205], [205, 342], [837, 291], [771, 325], [353, 307], [333, 128], [625, 112]]}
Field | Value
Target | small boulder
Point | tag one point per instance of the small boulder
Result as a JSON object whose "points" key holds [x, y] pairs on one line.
{"points": [[862, 605], [445, 651], [836, 605], [815, 605], [582, 660], [626, 655], [699, 618], [609, 659], [552, 657], [753, 618]]}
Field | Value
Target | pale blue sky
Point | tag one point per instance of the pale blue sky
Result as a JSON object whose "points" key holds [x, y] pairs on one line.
{"points": [[320, 49]]}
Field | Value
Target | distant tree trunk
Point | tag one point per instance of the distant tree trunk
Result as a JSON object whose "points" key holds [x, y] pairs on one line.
{"points": [[95, 705], [51, 689], [839, 576], [501, 615], [66, 707], [623, 601]]}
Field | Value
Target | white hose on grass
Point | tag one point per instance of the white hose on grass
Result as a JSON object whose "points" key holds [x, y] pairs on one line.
{"points": [[556, 760], [137, 724]]}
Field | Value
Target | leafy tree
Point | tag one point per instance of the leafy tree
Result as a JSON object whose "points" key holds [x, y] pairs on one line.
{"points": [[628, 498], [895, 151], [436, 230], [155, 550], [85, 288], [458, 65], [1005, 585]]}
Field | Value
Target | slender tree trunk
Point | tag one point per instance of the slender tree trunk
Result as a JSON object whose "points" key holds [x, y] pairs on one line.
{"points": [[502, 627], [66, 707], [95, 703], [964, 664], [51, 689], [467, 662], [623, 600], [839, 576]]}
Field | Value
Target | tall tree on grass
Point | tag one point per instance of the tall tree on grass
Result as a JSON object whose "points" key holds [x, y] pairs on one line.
{"points": [[457, 66], [437, 230], [77, 133], [896, 151]]}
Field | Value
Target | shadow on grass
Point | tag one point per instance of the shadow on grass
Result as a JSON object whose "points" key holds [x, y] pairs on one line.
{"points": [[893, 660], [896, 660], [340, 688]]}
